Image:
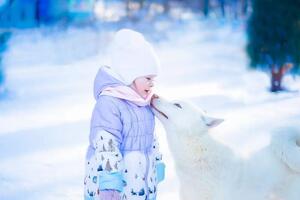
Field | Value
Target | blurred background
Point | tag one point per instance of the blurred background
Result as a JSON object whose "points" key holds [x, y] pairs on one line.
{"points": [[236, 59]]}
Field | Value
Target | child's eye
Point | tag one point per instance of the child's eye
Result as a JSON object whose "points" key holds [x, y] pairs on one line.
{"points": [[148, 78]]}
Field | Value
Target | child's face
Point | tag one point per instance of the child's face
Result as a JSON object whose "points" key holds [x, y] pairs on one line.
{"points": [[143, 85]]}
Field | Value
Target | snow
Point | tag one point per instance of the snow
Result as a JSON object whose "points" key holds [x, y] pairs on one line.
{"points": [[45, 118]]}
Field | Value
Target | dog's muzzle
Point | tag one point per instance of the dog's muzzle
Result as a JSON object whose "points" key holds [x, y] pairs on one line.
{"points": [[153, 99]]}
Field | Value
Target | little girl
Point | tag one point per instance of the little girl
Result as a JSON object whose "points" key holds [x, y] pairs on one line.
{"points": [[123, 161]]}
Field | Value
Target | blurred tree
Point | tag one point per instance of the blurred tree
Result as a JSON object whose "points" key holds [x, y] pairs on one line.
{"points": [[80, 11], [18, 13], [245, 5], [51, 11], [234, 8], [1, 77], [225, 7], [222, 5], [31, 13], [142, 3], [274, 38], [205, 7], [4, 37], [166, 6], [134, 9]]}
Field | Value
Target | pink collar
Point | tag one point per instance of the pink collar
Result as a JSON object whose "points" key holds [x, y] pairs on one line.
{"points": [[127, 93]]}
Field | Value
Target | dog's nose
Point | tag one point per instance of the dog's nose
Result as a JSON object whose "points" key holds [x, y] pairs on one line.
{"points": [[154, 96]]}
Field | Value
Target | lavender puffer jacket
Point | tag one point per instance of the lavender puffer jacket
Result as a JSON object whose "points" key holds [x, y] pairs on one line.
{"points": [[123, 151]]}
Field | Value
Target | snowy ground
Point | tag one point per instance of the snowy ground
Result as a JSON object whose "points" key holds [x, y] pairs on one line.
{"points": [[45, 118]]}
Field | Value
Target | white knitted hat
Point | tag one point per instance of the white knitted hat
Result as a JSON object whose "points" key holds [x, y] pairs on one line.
{"points": [[132, 56]]}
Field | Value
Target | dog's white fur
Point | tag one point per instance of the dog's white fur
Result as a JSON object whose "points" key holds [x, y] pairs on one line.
{"points": [[210, 170]]}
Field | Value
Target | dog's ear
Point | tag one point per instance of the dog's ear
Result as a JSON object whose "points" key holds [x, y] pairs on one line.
{"points": [[212, 122]]}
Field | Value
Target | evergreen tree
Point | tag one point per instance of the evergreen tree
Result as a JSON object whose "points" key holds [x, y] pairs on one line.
{"points": [[274, 37]]}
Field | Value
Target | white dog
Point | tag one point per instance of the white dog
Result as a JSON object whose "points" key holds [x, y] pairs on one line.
{"points": [[210, 170]]}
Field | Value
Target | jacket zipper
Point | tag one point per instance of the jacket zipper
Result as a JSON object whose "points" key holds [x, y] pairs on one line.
{"points": [[146, 176]]}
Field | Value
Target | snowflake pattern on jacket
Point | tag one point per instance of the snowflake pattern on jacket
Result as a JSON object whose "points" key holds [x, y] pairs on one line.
{"points": [[108, 158]]}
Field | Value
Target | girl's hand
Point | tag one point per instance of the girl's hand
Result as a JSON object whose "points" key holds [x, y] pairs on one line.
{"points": [[109, 195]]}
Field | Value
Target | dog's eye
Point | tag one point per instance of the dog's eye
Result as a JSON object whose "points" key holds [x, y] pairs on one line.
{"points": [[178, 105]]}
